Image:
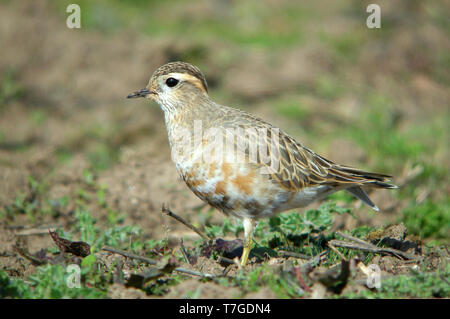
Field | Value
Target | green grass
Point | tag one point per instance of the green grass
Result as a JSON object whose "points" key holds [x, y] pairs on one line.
{"points": [[34, 204], [291, 108], [329, 87], [415, 285], [10, 87], [346, 46], [102, 157], [283, 285], [167, 19], [50, 281], [428, 219], [38, 117]]}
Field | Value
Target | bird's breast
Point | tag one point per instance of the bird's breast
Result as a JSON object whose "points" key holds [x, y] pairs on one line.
{"points": [[238, 189]]}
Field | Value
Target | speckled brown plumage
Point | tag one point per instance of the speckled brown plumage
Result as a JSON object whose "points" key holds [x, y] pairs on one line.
{"points": [[255, 187]]}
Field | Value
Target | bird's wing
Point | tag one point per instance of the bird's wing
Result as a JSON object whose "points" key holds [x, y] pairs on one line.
{"points": [[301, 167], [291, 164]]}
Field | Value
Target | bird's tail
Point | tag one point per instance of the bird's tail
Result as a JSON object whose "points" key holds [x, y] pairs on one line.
{"points": [[356, 178]]}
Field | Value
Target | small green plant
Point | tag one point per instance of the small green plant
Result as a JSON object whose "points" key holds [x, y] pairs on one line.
{"points": [[280, 282], [428, 219], [12, 288], [415, 285], [283, 227], [228, 227], [116, 236], [51, 281]]}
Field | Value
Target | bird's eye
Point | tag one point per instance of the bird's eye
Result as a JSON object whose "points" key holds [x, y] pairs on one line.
{"points": [[171, 82]]}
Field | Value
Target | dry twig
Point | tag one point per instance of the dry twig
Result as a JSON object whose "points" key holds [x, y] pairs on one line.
{"points": [[41, 230], [168, 212], [154, 262], [313, 262], [225, 260], [183, 251], [336, 251], [356, 243], [285, 253]]}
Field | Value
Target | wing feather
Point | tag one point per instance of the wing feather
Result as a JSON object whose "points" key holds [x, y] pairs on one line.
{"points": [[296, 166]]}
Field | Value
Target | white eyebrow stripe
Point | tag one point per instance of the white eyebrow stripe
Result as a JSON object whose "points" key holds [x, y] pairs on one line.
{"points": [[189, 78]]}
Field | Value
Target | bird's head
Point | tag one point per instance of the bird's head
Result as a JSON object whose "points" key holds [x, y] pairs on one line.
{"points": [[173, 85]]}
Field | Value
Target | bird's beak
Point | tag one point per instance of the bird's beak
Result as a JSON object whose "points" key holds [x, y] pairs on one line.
{"points": [[140, 93]]}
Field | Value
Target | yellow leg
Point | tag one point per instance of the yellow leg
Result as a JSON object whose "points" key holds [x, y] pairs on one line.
{"points": [[245, 254], [249, 225]]}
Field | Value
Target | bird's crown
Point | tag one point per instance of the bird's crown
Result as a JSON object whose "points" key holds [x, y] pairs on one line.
{"points": [[181, 67]]}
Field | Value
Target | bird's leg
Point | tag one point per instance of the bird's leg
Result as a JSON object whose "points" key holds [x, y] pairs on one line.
{"points": [[249, 226]]}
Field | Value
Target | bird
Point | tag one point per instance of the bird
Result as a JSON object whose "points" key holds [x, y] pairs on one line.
{"points": [[239, 163]]}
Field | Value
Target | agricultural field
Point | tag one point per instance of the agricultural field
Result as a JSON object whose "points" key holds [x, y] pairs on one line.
{"points": [[87, 185]]}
